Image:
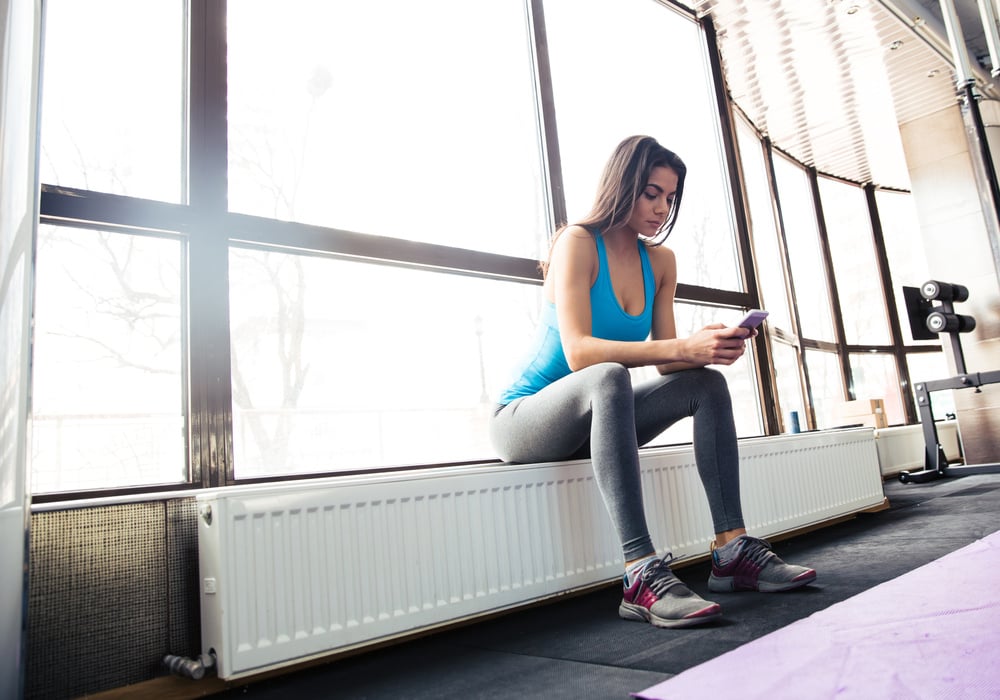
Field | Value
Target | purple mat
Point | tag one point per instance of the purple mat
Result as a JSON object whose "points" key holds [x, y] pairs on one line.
{"points": [[932, 633]]}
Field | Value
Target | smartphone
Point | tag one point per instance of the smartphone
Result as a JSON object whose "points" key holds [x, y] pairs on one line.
{"points": [[754, 318]]}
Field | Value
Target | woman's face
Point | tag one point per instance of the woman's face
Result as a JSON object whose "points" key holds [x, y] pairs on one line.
{"points": [[652, 208]]}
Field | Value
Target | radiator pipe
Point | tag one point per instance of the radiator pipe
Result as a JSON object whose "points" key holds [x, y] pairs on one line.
{"points": [[189, 668]]}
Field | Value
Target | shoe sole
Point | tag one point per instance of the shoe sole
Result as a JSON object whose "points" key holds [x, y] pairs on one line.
{"points": [[727, 584], [637, 613]]}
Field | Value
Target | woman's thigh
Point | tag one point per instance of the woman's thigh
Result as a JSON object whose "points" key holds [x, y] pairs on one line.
{"points": [[555, 423]]}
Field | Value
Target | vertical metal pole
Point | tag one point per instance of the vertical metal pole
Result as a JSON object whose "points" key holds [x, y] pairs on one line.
{"points": [[991, 26], [988, 14], [966, 86], [984, 147], [963, 70]]}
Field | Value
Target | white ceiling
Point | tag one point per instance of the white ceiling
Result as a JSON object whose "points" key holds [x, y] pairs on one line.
{"points": [[829, 81]]}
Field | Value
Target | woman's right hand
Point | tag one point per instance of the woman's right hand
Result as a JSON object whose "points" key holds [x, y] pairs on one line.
{"points": [[716, 344]]}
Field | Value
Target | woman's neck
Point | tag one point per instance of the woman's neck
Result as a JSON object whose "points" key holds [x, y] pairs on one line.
{"points": [[620, 239]]}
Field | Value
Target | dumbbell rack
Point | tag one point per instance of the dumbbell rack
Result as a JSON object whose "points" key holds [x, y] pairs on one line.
{"points": [[935, 463]]}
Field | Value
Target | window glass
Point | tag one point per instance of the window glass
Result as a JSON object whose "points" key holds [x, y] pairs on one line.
{"points": [[107, 397], [826, 385], [637, 67], [859, 283], [904, 246], [875, 377], [740, 376], [342, 365], [113, 97], [812, 295], [926, 367], [764, 234], [789, 385], [403, 119]]}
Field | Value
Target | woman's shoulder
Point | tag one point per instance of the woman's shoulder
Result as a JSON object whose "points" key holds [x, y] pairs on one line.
{"points": [[573, 253], [664, 264], [577, 233], [660, 256], [576, 241]]}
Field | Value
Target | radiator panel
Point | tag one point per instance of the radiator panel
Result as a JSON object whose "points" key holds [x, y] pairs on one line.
{"points": [[901, 448], [295, 570]]}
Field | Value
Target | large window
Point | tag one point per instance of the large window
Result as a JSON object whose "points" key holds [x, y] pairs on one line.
{"points": [[826, 387], [859, 284], [875, 377], [113, 97], [787, 374], [356, 273], [808, 272], [635, 67], [768, 254], [403, 119], [107, 397], [342, 365], [905, 251], [925, 367]]}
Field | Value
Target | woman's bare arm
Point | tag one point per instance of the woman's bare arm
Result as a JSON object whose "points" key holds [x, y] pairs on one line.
{"points": [[714, 344]]}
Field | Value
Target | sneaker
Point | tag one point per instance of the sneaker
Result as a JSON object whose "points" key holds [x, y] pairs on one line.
{"points": [[658, 597], [748, 564]]}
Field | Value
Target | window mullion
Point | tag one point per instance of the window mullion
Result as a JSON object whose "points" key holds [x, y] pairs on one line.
{"points": [[547, 114], [765, 376], [831, 283], [779, 221], [208, 349], [895, 328]]}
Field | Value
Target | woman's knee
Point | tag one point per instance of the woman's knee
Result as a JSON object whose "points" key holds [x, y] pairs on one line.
{"points": [[713, 384], [608, 377], [712, 377]]}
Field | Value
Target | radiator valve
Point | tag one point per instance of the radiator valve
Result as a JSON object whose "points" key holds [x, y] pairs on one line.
{"points": [[189, 668]]}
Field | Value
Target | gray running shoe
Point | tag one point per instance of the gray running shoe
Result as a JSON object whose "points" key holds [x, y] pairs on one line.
{"points": [[658, 597], [754, 567]]}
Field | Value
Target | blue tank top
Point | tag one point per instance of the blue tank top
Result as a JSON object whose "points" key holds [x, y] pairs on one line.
{"points": [[547, 362]]}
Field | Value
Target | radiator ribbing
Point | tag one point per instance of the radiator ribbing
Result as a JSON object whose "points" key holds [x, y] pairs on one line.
{"points": [[300, 569]]}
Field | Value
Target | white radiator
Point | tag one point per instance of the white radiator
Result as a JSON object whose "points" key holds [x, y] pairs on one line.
{"points": [[901, 448], [297, 570]]}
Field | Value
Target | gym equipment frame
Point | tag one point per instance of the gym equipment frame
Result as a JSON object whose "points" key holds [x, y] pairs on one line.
{"points": [[926, 321]]}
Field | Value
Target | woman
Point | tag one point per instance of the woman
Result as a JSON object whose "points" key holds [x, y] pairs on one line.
{"points": [[609, 305]]}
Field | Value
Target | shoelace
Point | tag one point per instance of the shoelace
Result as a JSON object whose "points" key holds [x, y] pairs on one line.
{"points": [[757, 550], [659, 578]]}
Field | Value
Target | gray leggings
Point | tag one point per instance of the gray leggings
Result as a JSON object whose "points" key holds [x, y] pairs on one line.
{"points": [[596, 412]]}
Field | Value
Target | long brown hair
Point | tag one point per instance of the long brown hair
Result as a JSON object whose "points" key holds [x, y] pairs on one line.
{"points": [[625, 177]]}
